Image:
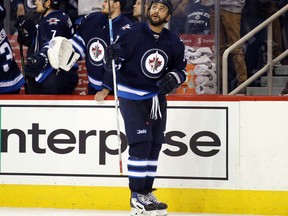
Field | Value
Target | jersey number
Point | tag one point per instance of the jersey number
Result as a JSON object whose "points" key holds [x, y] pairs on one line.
{"points": [[5, 49]]}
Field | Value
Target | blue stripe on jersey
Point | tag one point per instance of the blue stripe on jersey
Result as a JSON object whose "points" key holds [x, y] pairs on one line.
{"points": [[44, 74], [13, 85], [134, 94], [79, 45], [96, 84]]}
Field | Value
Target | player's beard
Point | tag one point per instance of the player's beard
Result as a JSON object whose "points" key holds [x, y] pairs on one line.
{"points": [[159, 22]]}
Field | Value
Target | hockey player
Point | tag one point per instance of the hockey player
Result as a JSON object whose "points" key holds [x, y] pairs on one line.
{"points": [[138, 9], [11, 78], [40, 76], [91, 40], [152, 65]]}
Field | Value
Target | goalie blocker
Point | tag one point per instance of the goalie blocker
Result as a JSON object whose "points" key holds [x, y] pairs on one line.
{"points": [[61, 53]]}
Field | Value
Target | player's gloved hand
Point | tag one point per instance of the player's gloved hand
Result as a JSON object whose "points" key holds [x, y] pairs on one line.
{"points": [[26, 24], [24, 38], [26, 30], [35, 63], [168, 83], [111, 52]]}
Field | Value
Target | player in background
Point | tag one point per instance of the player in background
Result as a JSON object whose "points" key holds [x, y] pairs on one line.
{"points": [[11, 79], [152, 64], [138, 10], [90, 41], [41, 78]]}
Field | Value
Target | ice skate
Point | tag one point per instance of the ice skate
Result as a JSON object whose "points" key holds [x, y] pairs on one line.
{"points": [[161, 207], [142, 206], [284, 92]]}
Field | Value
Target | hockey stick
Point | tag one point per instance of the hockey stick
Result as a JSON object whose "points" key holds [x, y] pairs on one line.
{"points": [[143, 10], [115, 92], [22, 60]]}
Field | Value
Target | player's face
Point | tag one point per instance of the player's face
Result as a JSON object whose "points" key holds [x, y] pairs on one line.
{"points": [[39, 6], [105, 7], [137, 9], [158, 14]]}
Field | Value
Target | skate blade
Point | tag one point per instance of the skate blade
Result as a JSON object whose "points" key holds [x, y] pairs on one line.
{"points": [[162, 212], [138, 212]]}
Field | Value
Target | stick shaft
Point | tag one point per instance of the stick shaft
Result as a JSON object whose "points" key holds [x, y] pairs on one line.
{"points": [[115, 93]]}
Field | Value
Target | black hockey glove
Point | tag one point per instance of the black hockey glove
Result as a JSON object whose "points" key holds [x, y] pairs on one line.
{"points": [[111, 52], [26, 30], [24, 38], [169, 82], [35, 63], [26, 24]]}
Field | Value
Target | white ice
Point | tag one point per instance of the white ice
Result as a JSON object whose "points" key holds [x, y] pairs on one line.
{"points": [[69, 212]]}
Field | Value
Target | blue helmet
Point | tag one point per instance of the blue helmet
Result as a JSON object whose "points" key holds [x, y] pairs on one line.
{"points": [[167, 3]]}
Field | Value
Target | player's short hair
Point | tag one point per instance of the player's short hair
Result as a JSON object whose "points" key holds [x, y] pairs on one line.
{"points": [[167, 3], [122, 3]]}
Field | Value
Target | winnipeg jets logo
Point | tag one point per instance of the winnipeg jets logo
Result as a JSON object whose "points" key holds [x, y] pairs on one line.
{"points": [[53, 21], [127, 26], [96, 49], [153, 63]]}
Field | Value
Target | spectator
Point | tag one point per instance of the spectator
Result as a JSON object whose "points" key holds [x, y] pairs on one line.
{"points": [[230, 23], [197, 18], [41, 78], [151, 67], [11, 79], [91, 40], [266, 8], [177, 22]]}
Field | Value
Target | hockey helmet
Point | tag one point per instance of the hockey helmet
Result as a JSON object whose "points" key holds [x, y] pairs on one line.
{"points": [[29, 4], [167, 3], [54, 3]]}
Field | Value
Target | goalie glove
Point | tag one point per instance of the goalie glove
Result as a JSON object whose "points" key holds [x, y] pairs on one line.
{"points": [[169, 82], [35, 63], [61, 53]]}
